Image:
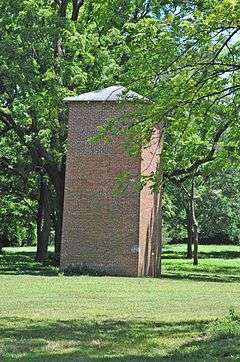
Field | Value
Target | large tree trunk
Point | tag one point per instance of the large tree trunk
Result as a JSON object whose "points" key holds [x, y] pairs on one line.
{"points": [[58, 215], [43, 221]]}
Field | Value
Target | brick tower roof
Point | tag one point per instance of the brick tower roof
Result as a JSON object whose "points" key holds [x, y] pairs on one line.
{"points": [[112, 94]]}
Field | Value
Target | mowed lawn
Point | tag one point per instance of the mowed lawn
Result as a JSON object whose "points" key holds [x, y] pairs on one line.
{"points": [[45, 316]]}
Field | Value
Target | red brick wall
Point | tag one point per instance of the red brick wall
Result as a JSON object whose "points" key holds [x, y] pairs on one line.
{"points": [[100, 230], [149, 211]]}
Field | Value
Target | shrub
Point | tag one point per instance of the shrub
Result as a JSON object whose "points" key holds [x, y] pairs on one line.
{"points": [[226, 327]]}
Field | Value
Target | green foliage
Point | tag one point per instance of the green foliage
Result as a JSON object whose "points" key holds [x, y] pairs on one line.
{"points": [[183, 56], [191, 73], [17, 221], [226, 327], [43, 58], [18, 188], [217, 208]]}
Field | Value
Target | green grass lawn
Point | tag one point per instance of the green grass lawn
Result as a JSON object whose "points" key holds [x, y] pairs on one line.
{"points": [[49, 317], [217, 263]]}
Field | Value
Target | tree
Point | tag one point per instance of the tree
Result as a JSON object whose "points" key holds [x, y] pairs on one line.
{"points": [[217, 208], [191, 73], [27, 68], [18, 193], [49, 50]]}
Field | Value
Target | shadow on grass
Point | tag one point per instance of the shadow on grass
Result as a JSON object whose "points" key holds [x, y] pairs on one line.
{"points": [[220, 254], [202, 277], [173, 254], [222, 266], [17, 263], [76, 340], [23, 263]]}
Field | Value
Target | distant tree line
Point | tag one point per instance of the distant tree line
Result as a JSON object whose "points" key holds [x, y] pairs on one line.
{"points": [[217, 210]]}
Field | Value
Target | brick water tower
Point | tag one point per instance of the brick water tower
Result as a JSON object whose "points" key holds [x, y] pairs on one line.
{"points": [[104, 233]]}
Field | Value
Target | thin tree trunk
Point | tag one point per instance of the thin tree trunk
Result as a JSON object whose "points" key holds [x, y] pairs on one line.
{"points": [[195, 228], [58, 216], [158, 262], [43, 222], [190, 235], [195, 243], [58, 234]]}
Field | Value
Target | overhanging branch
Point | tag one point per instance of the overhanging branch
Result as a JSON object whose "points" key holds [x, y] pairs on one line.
{"points": [[198, 163]]}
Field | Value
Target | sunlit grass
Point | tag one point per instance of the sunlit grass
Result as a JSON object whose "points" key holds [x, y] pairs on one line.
{"points": [[49, 317], [216, 262]]}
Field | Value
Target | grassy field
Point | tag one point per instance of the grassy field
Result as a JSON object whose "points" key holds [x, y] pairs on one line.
{"points": [[49, 317]]}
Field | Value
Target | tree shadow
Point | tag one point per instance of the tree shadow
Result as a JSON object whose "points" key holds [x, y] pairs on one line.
{"points": [[17, 263], [173, 254], [109, 340], [220, 254], [206, 349], [202, 277], [212, 271]]}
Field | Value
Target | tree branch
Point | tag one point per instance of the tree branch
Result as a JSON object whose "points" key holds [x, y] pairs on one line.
{"points": [[208, 158], [76, 5], [62, 8], [223, 45], [40, 156]]}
